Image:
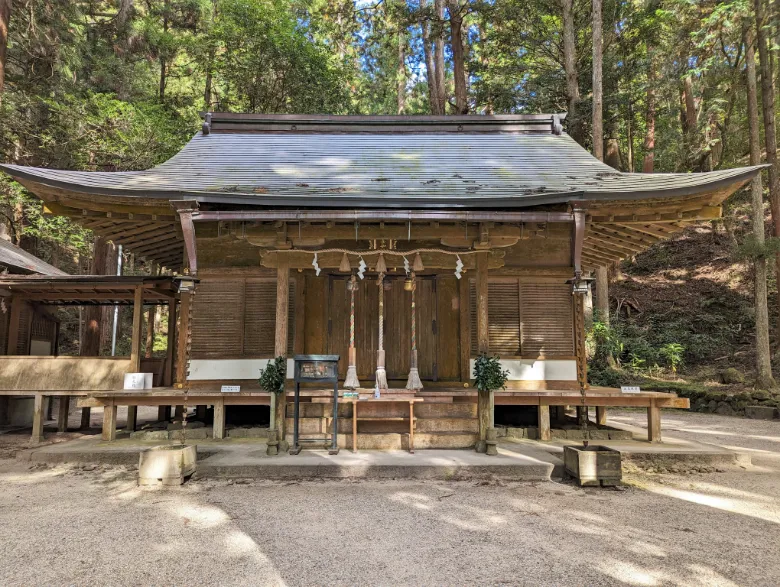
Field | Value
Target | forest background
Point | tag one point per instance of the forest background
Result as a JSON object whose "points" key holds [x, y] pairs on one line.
{"points": [[649, 85]]}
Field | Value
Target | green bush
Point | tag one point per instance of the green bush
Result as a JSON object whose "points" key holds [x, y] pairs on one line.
{"points": [[488, 374], [272, 378]]}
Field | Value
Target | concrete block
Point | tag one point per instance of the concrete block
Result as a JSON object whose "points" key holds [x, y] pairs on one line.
{"points": [[532, 433], [197, 434], [620, 435], [167, 465], [576, 434], [150, 435], [447, 424], [598, 434], [446, 410], [516, 433], [247, 433], [557, 433], [760, 412]]}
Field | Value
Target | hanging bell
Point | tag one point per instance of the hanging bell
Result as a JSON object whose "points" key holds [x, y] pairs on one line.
{"points": [[408, 284], [345, 267], [381, 267], [417, 265]]}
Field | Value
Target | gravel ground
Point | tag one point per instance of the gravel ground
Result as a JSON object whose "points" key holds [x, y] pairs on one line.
{"points": [[94, 527]]}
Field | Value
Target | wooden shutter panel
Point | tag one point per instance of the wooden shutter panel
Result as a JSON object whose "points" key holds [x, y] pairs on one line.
{"points": [[218, 319], [260, 318], [25, 324], [503, 317], [547, 317]]}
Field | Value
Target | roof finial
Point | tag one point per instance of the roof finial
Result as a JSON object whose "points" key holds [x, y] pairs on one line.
{"points": [[557, 127], [206, 128]]}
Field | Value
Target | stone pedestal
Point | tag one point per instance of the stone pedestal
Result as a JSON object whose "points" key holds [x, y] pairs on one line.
{"points": [[167, 465]]}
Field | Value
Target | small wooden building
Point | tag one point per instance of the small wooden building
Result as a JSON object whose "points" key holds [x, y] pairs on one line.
{"points": [[500, 218]]}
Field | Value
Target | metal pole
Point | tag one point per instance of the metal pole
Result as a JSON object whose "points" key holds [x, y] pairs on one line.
{"points": [[116, 306]]}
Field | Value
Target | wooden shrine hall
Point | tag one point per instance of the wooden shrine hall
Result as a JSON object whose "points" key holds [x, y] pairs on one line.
{"points": [[407, 245]]}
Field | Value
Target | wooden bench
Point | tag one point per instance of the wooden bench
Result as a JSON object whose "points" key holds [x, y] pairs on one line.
{"points": [[390, 400]]}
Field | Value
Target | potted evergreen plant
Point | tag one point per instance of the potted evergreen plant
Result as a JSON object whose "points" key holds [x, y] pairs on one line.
{"points": [[489, 377], [272, 380]]}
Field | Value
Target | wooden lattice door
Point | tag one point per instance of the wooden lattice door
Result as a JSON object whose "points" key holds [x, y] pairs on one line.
{"points": [[397, 326]]}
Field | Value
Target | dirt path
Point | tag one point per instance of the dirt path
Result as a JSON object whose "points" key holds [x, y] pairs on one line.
{"points": [[94, 527]]}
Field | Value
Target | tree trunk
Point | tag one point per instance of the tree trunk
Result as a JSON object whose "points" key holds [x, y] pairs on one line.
{"points": [[458, 58], [570, 67], [430, 66], [770, 139], [401, 73], [93, 315], [5, 18], [764, 379], [598, 99], [438, 59], [648, 164], [602, 294]]}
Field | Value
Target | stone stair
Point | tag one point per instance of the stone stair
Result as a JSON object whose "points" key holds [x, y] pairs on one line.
{"points": [[439, 425]]}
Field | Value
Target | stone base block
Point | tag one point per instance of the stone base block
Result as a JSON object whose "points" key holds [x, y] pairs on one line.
{"points": [[760, 412]]}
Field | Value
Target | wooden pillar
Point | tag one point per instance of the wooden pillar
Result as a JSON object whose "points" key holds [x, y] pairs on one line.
{"points": [[219, 419], [465, 331], [132, 418], [544, 423], [62, 413], [168, 375], [13, 325], [109, 422], [163, 413], [580, 351], [484, 399], [653, 422], [86, 418], [182, 346], [37, 427], [601, 415], [280, 340], [135, 341]]}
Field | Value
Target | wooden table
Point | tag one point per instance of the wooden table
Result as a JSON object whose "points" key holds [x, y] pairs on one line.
{"points": [[390, 400]]}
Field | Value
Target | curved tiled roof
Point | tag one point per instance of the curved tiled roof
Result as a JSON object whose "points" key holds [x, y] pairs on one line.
{"points": [[293, 167]]}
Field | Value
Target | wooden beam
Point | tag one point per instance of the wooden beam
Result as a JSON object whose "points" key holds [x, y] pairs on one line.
{"points": [[186, 209], [544, 422], [653, 422], [13, 325], [620, 216], [606, 241], [38, 417], [109, 421], [280, 339], [652, 230], [135, 341], [465, 330], [128, 234], [171, 344], [182, 342], [219, 419], [484, 399], [132, 418], [625, 233], [578, 238], [62, 413]]}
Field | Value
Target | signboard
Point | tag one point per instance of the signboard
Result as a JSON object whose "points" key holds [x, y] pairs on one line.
{"points": [[231, 388], [629, 388]]}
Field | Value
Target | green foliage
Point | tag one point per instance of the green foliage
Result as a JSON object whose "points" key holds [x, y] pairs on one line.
{"points": [[620, 353], [272, 378], [673, 353], [488, 374], [752, 250]]}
